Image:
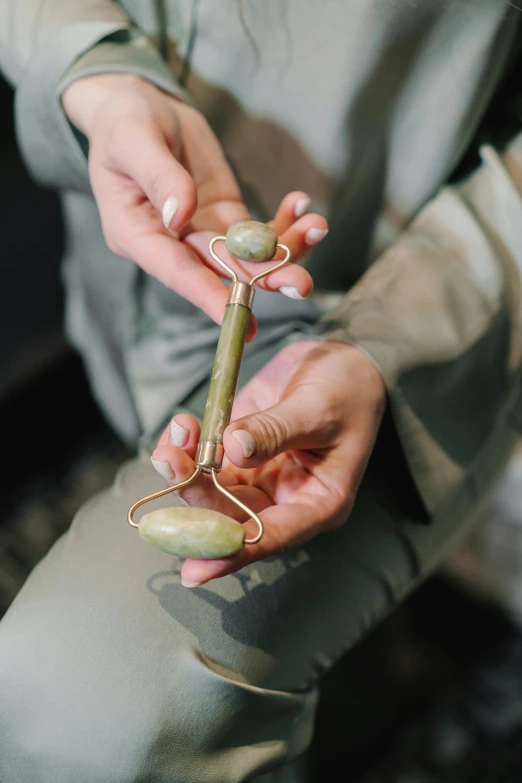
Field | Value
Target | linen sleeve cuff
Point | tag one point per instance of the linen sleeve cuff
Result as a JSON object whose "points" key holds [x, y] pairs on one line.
{"points": [[53, 150], [439, 314]]}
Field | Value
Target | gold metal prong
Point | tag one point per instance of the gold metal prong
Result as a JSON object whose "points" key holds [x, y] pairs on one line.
{"points": [[179, 485], [245, 508], [274, 268]]}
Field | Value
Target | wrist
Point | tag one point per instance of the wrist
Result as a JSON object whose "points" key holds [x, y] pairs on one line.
{"points": [[368, 362], [89, 98], [355, 361], [350, 360]]}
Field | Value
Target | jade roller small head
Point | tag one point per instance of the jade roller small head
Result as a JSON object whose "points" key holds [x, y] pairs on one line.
{"points": [[251, 241], [200, 532]]}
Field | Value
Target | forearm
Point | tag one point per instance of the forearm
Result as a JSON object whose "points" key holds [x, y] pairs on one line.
{"points": [[28, 25], [44, 47], [439, 314]]}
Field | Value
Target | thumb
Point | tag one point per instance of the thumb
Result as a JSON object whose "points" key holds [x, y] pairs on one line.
{"points": [[166, 183], [259, 437]]}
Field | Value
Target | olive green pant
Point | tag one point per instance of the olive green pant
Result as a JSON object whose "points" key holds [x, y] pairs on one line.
{"points": [[112, 672]]}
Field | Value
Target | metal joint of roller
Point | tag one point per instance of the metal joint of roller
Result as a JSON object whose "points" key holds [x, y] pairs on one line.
{"points": [[209, 455], [241, 293]]}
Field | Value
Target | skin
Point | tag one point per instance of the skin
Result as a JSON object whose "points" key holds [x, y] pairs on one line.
{"points": [[315, 409], [146, 147], [314, 412]]}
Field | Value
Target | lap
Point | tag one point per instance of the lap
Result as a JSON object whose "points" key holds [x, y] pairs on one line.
{"points": [[110, 670], [104, 641]]}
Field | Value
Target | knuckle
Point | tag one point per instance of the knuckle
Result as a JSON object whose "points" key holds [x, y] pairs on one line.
{"points": [[272, 434], [155, 186], [113, 244], [193, 116]]}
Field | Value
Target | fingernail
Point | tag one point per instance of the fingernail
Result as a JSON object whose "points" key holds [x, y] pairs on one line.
{"points": [[314, 235], [186, 583], [291, 292], [246, 441], [302, 206], [178, 434], [163, 469], [170, 207]]}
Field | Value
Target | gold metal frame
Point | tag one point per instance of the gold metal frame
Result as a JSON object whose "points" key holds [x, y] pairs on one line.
{"points": [[208, 459]]}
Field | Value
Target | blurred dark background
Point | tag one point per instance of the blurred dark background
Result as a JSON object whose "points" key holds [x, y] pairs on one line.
{"points": [[434, 695], [31, 333], [54, 458]]}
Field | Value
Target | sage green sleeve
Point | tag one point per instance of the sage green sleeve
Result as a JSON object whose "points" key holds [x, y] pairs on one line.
{"points": [[440, 315], [46, 44]]}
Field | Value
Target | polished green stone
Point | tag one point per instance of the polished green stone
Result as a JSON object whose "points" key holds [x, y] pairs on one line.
{"points": [[192, 532], [225, 372], [251, 241]]}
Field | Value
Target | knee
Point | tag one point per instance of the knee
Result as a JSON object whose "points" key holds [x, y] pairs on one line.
{"points": [[222, 728], [189, 720]]}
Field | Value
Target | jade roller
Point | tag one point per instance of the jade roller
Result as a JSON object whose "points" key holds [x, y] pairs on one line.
{"points": [[200, 532]]}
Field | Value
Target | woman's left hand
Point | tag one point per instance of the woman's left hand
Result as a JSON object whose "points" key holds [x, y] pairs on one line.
{"points": [[302, 432]]}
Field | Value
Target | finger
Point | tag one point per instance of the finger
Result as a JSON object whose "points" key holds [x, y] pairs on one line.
{"points": [[144, 155], [134, 232], [218, 216], [322, 506], [304, 234], [290, 276], [177, 268], [289, 425], [182, 431], [219, 195], [299, 238], [293, 206], [175, 465], [203, 494], [172, 463], [286, 526]]}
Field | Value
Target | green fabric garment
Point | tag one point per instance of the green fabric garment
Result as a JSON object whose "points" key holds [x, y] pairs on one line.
{"points": [[112, 672], [368, 106]]}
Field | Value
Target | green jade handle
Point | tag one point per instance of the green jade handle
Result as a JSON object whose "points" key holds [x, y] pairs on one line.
{"points": [[201, 532], [223, 383]]}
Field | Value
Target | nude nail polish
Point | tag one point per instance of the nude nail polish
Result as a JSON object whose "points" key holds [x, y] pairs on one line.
{"points": [[302, 206], [314, 235], [246, 441], [178, 434], [290, 291], [163, 469], [170, 207]]}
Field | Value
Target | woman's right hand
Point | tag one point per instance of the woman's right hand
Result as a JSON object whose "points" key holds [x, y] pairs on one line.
{"points": [[163, 187]]}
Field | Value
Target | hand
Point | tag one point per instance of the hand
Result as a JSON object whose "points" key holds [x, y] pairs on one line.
{"points": [[302, 432], [164, 188]]}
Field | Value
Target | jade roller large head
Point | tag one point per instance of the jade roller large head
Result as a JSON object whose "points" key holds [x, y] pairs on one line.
{"points": [[200, 532]]}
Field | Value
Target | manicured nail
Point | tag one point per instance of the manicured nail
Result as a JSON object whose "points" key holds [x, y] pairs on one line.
{"points": [[178, 434], [246, 441], [302, 206], [170, 207], [185, 583], [291, 292], [314, 235], [163, 469]]}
